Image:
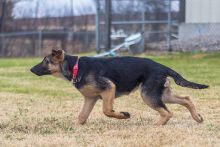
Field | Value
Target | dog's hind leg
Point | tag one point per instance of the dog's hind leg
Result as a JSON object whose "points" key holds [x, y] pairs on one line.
{"points": [[86, 109], [153, 99], [159, 106], [108, 96], [169, 97]]}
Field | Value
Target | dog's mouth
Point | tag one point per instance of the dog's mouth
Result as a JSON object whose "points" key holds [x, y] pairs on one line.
{"points": [[39, 70]]}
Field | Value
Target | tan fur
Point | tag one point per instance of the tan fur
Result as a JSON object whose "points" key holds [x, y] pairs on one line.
{"points": [[108, 100], [164, 116], [90, 91], [58, 55], [54, 68], [169, 97], [91, 94], [62, 56], [86, 109], [59, 75], [167, 83], [55, 63]]}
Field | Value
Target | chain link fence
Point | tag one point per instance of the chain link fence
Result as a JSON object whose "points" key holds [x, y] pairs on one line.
{"points": [[156, 18], [37, 36], [193, 37], [35, 30], [40, 43]]}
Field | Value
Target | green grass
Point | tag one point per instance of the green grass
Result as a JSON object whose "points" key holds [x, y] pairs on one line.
{"points": [[42, 111], [15, 77]]}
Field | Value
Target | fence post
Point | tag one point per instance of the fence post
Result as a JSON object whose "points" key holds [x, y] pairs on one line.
{"points": [[143, 29], [108, 24], [87, 40], [182, 10], [97, 26], [169, 27], [2, 47], [40, 43], [1, 55]]}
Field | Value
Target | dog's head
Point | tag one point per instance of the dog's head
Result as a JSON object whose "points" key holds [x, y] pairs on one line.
{"points": [[50, 64]]}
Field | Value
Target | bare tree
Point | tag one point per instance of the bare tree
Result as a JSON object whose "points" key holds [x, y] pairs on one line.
{"points": [[6, 14], [3, 8]]}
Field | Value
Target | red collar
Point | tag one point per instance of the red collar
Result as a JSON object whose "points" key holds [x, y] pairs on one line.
{"points": [[76, 69]]}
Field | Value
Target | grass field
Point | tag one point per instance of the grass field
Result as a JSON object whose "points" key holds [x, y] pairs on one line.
{"points": [[42, 111]]}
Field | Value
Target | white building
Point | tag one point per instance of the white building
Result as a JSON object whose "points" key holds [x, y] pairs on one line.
{"points": [[201, 17]]}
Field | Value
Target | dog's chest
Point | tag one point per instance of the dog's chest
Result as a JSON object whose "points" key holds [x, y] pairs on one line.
{"points": [[89, 91]]}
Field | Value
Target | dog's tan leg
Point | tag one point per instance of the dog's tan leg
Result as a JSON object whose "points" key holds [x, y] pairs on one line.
{"points": [[168, 97], [108, 99], [165, 116], [86, 109], [186, 101], [157, 104]]}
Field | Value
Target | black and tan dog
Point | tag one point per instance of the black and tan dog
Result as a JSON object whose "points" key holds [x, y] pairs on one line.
{"points": [[108, 78]]}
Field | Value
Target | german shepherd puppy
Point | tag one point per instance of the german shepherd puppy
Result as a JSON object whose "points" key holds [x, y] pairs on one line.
{"points": [[108, 78]]}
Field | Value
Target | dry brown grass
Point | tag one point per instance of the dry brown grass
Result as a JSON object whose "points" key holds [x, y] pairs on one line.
{"points": [[43, 117], [30, 121]]}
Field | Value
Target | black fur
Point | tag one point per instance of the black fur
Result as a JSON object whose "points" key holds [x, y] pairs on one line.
{"points": [[126, 73], [126, 114], [179, 80]]}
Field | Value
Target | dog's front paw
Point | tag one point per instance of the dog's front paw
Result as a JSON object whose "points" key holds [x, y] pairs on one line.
{"points": [[126, 115], [80, 122]]}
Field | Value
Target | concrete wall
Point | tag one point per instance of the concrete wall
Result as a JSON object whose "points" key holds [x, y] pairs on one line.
{"points": [[202, 11], [191, 30]]}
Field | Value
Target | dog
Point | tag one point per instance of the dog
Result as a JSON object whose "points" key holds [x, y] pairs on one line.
{"points": [[112, 77]]}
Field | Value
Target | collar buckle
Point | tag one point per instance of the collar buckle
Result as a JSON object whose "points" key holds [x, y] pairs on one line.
{"points": [[76, 80]]}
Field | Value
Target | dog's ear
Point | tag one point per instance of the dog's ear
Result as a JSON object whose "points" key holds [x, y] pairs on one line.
{"points": [[58, 54]]}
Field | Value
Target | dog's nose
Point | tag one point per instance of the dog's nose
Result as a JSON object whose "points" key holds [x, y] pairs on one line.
{"points": [[32, 70], [35, 71]]}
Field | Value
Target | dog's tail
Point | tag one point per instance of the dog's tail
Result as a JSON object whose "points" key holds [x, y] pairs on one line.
{"points": [[179, 80]]}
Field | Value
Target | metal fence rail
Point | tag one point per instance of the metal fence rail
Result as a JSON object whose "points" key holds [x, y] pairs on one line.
{"points": [[39, 43]]}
